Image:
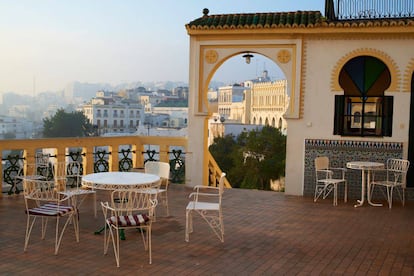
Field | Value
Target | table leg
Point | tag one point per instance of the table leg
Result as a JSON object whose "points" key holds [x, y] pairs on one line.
{"points": [[361, 201], [369, 191], [99, 231], [121, 232]]}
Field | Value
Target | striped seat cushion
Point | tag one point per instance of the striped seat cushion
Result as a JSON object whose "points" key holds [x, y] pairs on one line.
{"points": [[51, 209], [130, 220]]}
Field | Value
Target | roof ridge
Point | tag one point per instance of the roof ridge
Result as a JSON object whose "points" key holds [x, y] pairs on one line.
{"points": [[257, 19]]}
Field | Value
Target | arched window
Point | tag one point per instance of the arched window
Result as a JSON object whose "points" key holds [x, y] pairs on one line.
{"points": [[363, 110]]}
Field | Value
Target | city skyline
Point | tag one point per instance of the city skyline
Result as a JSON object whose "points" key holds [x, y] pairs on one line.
{"points": [[48, 44]]}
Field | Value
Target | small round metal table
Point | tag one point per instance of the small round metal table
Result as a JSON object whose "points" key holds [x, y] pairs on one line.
{"points": [[365, 167], [118, 180]]}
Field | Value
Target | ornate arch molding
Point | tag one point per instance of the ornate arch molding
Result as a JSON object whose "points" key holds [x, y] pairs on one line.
{"points": [[407, 76], [392, 66], [215, 59], [285, 55]]}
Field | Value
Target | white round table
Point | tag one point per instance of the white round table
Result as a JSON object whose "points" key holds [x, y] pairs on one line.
{"points": [[365, 167], [118, 180]]}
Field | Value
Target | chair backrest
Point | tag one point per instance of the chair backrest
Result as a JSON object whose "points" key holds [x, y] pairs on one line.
{"points": [[59, 170], [74, 173], [33, 169], [40, 190], [221, 186], [128, 201], [397, 170], [321, 163], [42, 160], [322, 168], [162, 169], [59, 174]]}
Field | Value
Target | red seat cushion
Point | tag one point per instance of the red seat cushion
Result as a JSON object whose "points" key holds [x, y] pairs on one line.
{"points": [[50, 209], [130, 220]]}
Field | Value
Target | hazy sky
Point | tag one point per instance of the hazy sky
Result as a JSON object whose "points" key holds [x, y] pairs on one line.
{"points": [[55, 42]]}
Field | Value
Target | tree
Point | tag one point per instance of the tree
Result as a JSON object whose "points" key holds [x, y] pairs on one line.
{"points": [[222, 149], [63, 124], [268, 155], [252, 158], [227, 153]]}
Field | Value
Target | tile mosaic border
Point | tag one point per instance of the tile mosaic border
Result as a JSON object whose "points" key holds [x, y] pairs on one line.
{"points": [[323, 143]]}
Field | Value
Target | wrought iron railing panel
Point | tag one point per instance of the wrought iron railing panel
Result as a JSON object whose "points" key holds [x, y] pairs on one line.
{"points": [[75, 156], [125, 163], [373, 9], [150, 155], [177, 166], [12, 169], [93, 154], [101, 163], [176, 160]]}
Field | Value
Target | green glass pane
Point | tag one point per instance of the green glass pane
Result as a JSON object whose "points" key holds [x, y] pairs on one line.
{"points": [[363, 73], [373, 69]]}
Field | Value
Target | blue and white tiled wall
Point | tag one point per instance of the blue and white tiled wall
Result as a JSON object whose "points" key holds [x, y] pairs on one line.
{"points": [[340, 152]]}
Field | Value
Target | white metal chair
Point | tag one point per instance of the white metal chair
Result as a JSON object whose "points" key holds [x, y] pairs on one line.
{"points": [[41, 169], [206, 201], [132, 208], [162, 169], [395, 178], [31, 172], [75, 192], [42, 161], [59, 175], [327, 180], [44, 201]]}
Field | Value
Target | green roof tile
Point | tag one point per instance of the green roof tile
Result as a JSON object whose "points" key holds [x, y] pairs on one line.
{"points": [[252, 20], [275, 20]]}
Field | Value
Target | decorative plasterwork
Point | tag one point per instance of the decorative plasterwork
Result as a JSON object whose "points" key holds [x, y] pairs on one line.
{"points": [[211, 56], [223, 52], [407, 76], [392, 66], [303, 78], [284, 56]]}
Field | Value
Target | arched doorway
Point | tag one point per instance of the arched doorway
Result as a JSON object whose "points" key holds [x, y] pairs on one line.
{"points": [[206, 56]]}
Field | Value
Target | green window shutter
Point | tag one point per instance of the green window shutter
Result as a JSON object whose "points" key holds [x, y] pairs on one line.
{"points": [[387, 116], [339, 114]]}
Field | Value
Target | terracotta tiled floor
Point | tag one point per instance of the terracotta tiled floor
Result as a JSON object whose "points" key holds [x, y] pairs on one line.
{"points": [[267, 233]]}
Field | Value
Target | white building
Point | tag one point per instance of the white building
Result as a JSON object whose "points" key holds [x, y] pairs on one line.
{"points": [[15, 128], [334, 66], [181, 92], [113, 114], [228, 96], [20, 110], [256, 102], [177, 116], [266, 102]]}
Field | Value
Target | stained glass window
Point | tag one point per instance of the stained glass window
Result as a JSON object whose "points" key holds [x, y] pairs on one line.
{"points": [[364, 110]]}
